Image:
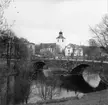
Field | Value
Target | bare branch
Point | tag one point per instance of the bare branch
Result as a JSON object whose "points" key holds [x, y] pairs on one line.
{"points": [[97, 35], [4, 4]]}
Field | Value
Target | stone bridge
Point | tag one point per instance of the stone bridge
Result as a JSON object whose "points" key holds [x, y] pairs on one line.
{"points": [[69, 64]]}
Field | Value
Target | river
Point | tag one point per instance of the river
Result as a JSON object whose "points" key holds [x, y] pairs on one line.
{"points": [[43, 87]]}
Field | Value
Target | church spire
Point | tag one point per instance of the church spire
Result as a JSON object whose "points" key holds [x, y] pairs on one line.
{"points": [[61, 41], [60, 35]]}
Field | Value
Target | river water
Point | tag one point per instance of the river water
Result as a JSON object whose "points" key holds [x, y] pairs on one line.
{"points": [[39, 87], [34, 97]]}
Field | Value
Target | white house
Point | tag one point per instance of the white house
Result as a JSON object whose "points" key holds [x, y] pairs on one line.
{"points": [[69, 49], [72, 49], [78, 51]]}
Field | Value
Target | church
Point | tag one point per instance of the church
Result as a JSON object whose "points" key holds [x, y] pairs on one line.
{"points": [[60, 43], [60, 46]]}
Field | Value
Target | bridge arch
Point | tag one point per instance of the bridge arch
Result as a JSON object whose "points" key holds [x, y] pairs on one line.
{"points": [[38, 70], [39, 64], [79, 68]]}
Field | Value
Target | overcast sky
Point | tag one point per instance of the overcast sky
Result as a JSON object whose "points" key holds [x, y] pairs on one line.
{"points": [[41, 20]]}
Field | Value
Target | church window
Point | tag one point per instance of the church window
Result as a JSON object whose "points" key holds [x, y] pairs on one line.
{"points": [[62, 40]]}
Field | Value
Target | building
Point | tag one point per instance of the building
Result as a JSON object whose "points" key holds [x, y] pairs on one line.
{"points": [[60, 49], [47, 47], [78, 51], [37, 49], [73, 50], [31, 46], [104, 52], [69, 49], [61, 41]]}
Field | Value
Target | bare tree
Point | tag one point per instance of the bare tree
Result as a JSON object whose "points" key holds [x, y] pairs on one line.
{"points": [[13, 48], [92, 42], [101, 33], [101, 36], [4, 4]]}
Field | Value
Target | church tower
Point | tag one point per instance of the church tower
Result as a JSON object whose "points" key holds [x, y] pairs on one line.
{"points": [[61, 41]]}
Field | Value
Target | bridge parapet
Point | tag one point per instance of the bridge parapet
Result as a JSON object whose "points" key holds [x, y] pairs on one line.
{"points": [[70, 64]]}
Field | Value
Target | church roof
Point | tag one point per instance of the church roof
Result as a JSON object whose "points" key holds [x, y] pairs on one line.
{"points": [[60, 35], [48, 45]]}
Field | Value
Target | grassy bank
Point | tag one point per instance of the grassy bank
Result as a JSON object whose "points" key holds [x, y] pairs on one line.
{"points": [[96, 98]]}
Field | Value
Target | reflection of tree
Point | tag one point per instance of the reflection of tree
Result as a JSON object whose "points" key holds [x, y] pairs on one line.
{"points": [[47, 89]]}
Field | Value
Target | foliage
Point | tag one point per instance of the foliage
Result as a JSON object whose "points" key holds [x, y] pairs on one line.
{"points": [[47, 54], [12, 47], [18, 49], [4, 4], [23, 81], [92, 52]]}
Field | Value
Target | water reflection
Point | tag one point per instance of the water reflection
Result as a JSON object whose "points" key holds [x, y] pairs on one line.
{"points": [[38, 92], [47, 86]]}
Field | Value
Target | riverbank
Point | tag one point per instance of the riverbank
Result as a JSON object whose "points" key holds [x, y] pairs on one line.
{"points": [[96, 98]]}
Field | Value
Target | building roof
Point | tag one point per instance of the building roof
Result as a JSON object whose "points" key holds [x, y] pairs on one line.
{"points": [[60, 35], [73, 46], [32, 43], [47, 45]]}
